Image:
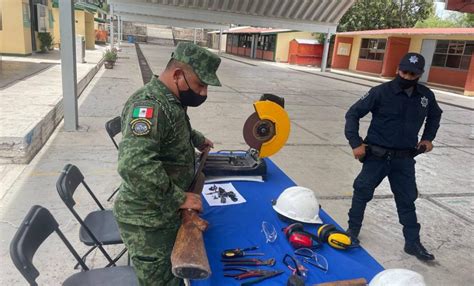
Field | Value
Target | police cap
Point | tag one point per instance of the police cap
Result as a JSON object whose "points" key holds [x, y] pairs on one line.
{"points": [[412, 62]]}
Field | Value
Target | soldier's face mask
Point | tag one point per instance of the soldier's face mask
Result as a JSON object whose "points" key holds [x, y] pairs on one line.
{"points": [[189, 97], [405, 83]]}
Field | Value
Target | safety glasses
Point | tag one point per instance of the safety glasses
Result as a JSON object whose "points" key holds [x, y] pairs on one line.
{"points": [[295, 266], [313, 258]]}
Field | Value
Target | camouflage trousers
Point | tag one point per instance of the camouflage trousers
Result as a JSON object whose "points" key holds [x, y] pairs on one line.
{"points": [[150, 251]]}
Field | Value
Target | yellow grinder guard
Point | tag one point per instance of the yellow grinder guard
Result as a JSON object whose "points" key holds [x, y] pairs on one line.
{"points": [[276, 114]]}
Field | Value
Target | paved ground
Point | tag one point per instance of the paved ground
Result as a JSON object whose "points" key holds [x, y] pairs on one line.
{"points": [[316, 156]]}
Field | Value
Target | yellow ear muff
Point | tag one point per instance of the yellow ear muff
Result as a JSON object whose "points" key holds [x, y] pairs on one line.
{"points": [[339, 240]]}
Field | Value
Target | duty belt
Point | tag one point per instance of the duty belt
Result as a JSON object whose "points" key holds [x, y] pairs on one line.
{"points": [[388, 154]]}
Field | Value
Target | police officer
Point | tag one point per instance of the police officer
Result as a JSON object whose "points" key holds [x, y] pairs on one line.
{"points": [[156, 160], [399, 108]]}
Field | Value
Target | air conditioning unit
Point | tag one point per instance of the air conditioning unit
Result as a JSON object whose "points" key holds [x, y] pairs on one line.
{"points": [[42, 17]]}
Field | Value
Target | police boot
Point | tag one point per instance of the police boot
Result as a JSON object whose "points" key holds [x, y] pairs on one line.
{"points": [[354, 234], [417, 249]]}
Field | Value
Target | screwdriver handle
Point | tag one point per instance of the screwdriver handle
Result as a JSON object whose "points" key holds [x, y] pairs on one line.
{"points": [[231, 253]]}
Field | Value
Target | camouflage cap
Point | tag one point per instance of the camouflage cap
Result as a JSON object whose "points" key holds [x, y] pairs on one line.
{"points": [[203, 62]]}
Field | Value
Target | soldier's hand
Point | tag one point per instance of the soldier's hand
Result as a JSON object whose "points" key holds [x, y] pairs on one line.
{"points": [[207, 144], [359, 152], [192, 201], [428, 145]]}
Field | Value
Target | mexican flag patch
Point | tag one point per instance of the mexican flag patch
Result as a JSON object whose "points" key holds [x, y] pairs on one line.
{"points": [[142, 112]]}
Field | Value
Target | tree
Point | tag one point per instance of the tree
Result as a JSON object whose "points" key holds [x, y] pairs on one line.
{"points": [[385, 14], [436, 22]]}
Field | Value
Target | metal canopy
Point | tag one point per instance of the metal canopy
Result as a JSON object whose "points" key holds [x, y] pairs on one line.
{"points": [[306, 15]]}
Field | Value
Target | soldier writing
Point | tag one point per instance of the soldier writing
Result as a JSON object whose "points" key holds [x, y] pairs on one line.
{"points": [[156, 160]]}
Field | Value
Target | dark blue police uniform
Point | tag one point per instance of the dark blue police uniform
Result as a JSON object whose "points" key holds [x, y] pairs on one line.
{"points": [[396, 120]]}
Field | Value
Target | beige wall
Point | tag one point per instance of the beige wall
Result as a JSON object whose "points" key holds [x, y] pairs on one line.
{"points": [[416, 41], [283, 43], [89, 30], [84, 22], [14, 37]]}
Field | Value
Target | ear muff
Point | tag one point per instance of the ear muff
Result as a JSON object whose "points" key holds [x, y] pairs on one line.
{"points": [[298, 237], [292, 228], [335, 238], [324, 231], [339, 240]]}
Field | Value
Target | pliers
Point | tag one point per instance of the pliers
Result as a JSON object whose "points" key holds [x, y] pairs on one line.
{"points": [[249, 261], [240, 273]]}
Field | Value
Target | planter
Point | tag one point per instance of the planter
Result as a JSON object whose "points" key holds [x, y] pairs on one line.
{"points": [[109, 64]]}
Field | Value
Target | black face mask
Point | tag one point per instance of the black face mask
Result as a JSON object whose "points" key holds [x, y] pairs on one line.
{"points": [[405, 83], [189, 97]]}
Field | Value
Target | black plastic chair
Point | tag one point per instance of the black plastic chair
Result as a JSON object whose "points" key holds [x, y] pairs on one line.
{"points": [[114, 127], [99, 227], [36, 227]]}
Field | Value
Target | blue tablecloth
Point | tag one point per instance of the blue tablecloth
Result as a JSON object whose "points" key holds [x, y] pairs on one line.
{"points": [[239, 226]]}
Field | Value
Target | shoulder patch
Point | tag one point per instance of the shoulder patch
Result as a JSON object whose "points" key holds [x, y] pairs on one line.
{"points": [[140, 126], [142, 112], [365, 95]]}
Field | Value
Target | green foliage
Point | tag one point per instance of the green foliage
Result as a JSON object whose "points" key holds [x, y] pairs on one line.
{"points": [[46, 41], [455, 20], [385, 14], [467, 20], [110, 56], [436, 22]]}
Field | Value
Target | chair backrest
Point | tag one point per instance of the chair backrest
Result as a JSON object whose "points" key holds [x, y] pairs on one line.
{"points": [[114, 127], [67, 183], [36, 227]]}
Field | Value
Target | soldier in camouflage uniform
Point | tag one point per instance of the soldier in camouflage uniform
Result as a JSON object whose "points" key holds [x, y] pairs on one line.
{"points": [[156, 160]]}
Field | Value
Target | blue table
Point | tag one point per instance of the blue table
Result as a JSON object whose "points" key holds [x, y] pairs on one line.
{"points": [[240, 226]]}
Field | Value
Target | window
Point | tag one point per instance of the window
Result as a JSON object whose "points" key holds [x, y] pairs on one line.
{"points": [[453, 54], [1, 26], [245, 40], [266, 42], [372, 49]]}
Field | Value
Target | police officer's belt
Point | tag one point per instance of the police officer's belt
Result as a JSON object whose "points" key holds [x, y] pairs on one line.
{"points": [[382, 152]]}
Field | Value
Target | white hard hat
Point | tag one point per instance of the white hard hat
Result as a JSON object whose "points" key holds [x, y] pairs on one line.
{"points": [[299, 204], [397, 277]]}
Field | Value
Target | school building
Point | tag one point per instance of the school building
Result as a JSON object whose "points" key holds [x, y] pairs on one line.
{"points": [[447, 51], [22, 20], [278, 45]]}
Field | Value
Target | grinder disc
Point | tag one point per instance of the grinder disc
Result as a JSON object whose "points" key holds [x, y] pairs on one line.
{"points": [[257, 131], [267, 129]]}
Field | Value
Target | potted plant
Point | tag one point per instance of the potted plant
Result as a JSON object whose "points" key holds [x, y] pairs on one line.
{"points": [[109, 59], [115, 56], [46, 41]]}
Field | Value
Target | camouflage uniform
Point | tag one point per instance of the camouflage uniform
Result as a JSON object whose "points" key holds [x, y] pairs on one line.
{"points": [[156, 163]]}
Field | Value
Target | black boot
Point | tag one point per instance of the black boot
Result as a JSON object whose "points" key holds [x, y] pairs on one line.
{"points": [[354, 234], [417, 249]]}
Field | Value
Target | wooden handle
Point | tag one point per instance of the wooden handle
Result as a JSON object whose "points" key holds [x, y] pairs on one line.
{"points": [[189, 257], [352, 282]]}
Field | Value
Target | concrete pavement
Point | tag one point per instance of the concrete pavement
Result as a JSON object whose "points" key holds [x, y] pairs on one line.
{"points": [[316, 156]]}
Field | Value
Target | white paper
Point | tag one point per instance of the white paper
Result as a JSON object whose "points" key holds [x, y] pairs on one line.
{"points": [[214, 198]]}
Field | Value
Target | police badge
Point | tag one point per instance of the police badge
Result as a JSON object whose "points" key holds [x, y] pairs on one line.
{"points": [[424, 101]]}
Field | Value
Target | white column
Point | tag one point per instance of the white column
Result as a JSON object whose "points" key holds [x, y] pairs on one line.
{"points": [[119, 36], [220, 40], [194, 40], [325, 52], [111, 26], [68, 64]]}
